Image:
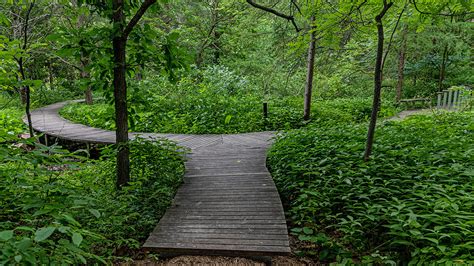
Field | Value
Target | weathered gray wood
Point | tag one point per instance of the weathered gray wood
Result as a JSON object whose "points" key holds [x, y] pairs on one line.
{"points": [[227, 204], [450, 99]]}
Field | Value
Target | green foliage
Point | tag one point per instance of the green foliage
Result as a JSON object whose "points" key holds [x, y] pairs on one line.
{"points": [[412, 202], [60, 207], [217, 101]]}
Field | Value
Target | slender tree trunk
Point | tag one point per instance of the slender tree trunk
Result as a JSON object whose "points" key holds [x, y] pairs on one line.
{"points": [[25, 90], [401, 64], [442, 69], [139, 74], [50, 75], [120, 94], [216, 34], [309, 76], [88, 92], [119, 43], [377, 81], [216, 44], [26, 96], [81, 21]]}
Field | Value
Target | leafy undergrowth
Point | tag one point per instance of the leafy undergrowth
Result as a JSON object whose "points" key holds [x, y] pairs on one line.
{"points": [[412, 202], [205, 112], [216, 100], [59, 207]]}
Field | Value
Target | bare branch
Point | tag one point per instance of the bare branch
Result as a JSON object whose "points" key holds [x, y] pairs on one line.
{"points": [[296, 6], [276, 13], [391, 36], [137, 17], [25, 27]]}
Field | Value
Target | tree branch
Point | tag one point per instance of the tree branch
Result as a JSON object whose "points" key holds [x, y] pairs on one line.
{"points": [[439, 14], [296, 6], [276, 13], [391, 36], [137, 17], [25, 28], [386, 7]]}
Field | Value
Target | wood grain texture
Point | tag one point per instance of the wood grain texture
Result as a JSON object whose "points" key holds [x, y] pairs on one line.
{"points": [[227, 204]]}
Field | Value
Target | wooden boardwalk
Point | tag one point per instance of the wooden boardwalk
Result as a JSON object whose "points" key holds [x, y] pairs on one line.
{"points": [[228, 203]]}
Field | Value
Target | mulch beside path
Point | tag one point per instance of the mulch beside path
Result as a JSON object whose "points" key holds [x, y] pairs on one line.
{"points": [[219, 261]]}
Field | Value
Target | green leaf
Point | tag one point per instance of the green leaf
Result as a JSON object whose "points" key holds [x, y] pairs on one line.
{"points": [[227, 119], [6, 235], [43, 233], [24, 244], [76, 238], [95, 212], [307, 230], [18, 258], [25, 228]]}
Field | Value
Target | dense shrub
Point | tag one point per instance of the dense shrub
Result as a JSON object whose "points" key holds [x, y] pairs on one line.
{"points": [[413, 201], [60, 207]]}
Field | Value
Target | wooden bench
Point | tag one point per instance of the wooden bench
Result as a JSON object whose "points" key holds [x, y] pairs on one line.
{"points": [[412, 102]]}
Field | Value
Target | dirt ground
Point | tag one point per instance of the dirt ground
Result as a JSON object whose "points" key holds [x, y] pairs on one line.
{"points": [[220, 261]]}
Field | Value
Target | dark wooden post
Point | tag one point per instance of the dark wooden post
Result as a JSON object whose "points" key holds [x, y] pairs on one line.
{"points": [[265, 110]]}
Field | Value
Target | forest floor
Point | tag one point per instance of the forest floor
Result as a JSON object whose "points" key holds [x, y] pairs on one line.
{"points": [[403, 114], [218, 260]]}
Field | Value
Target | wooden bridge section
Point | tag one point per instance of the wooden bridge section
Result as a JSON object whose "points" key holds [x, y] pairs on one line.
{"points": [[228, 203]]}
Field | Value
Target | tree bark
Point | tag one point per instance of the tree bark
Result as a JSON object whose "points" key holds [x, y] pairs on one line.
{"points": [[84, 62], [88, 92], [216, 35], [377, 80], [442, 69], [25, 90], [50, 75], [120, 95], [310, 73], [119, 43], [401, 64]]}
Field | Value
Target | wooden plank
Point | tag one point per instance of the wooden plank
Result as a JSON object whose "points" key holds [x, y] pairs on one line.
{"points": [[217, 241], [279, 226], [258, 231], [227, 204], [213, 247]]}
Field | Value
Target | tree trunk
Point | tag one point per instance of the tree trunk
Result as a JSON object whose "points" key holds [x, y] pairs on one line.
{"points": [[442, 69], [216, 44], [216, 34], [25, 96], [309, 77], [377, 81], [25, 90], [81, 21], [88, 92], [120, 95], [139, 74], [401, 64], [50, 75]]}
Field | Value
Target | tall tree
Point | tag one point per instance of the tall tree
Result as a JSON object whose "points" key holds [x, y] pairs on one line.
{"points": [[401, 64], [377, 78], [310, 72], [311, 52], [119, 42], [25, 90]]}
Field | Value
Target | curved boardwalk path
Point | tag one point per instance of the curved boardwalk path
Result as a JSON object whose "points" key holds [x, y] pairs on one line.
{"points": [[228, 203]]}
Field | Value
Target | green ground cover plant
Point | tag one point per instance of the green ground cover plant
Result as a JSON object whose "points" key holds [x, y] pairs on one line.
{"points": [[58, 207], [217, 101], [411, 203]]}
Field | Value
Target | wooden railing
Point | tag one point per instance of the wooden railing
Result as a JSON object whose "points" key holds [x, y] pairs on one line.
{"points": [[455, 98]]}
